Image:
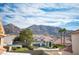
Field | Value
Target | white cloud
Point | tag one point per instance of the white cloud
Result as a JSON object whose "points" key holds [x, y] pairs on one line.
{"points": [[33, 14]]}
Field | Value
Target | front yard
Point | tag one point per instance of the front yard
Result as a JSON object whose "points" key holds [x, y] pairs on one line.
{"points": [[20, 49], [58, 46], [23, 50]]}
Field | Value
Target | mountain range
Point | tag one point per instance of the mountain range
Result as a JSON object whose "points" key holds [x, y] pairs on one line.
{"points": [[50, 30], [36, 29], [11, 29]]}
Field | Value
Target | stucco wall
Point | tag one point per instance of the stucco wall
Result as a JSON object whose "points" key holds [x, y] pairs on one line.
{"points": [[75, 43], [2, 42]]}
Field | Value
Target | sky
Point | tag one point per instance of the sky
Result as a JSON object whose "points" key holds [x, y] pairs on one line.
{"points": [[49, 14]]}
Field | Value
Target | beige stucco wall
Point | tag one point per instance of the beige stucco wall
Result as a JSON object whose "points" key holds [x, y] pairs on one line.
{"points": [[1, 42], [75, 43]]}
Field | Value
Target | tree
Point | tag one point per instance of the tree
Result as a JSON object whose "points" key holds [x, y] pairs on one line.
{"points": [[16, 39], [26, 36], [62, 32]]}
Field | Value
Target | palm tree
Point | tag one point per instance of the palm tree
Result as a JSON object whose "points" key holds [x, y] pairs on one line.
{"points": [[62, 33]]}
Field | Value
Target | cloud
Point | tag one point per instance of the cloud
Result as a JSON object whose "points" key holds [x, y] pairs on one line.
{"points": [[53, 14], [72, 25], [55, 9]]}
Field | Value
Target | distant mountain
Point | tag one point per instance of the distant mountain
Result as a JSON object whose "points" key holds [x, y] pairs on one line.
{"points": [[36, 29], [41, 29], [11, 29]]}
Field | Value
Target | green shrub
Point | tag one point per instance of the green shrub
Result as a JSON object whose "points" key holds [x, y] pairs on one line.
{"points": [[55, 46], [30, 47], [58, 46]]}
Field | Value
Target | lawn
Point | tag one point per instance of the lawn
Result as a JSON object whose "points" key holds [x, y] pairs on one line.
{"points": [[23, 50]]}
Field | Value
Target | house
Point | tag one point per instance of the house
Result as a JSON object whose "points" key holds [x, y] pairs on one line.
{"points": [[5, 40], [43, 38], [67, 41], [75, 42], [8, 39], [2, 34], [8, 42], [38, 43]]}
